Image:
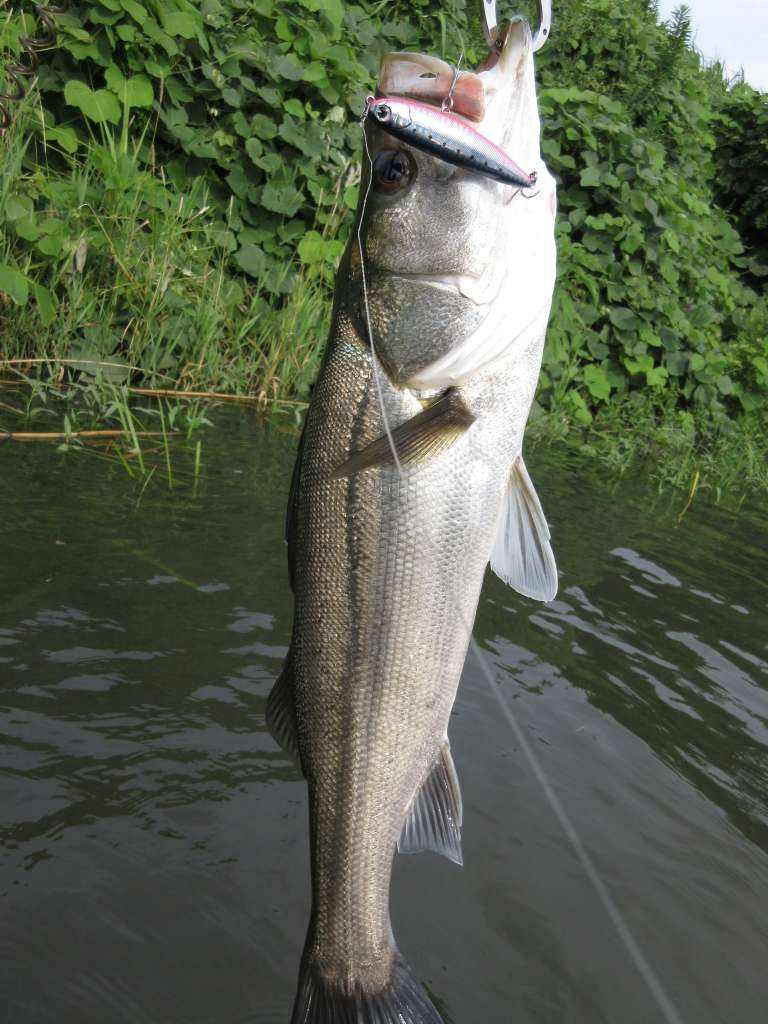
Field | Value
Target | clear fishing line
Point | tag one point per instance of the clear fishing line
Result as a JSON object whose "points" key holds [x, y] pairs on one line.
{"points": [[447, 104], [636, 955], [375, 360], [665, 1005]]}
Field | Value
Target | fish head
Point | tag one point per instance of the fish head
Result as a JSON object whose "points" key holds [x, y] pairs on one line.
{"points": [[448, 253]]}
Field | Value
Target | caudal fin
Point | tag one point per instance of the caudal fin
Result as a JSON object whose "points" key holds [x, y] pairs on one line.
{"points": [[402, 1000]]}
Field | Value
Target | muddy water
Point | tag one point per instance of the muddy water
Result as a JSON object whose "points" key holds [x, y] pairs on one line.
{"points": [[153, 847]]}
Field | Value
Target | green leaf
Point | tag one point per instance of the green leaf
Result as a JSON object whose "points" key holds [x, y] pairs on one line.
{"points": [[65, 137], [295, 107], [283, 199], [263, 126], [50, 245], [314, 72], [313, 248], [14, 284], [253, 148], [287, 66], [578, 407], [657, 377], [135, 91], [99, 105], [623, 318], [251, 259], [590, 177], [17, 208], [597, 382], [27, 228], [178, 23], [136, 11], [332, 9], [698, 362], [46, 304]]}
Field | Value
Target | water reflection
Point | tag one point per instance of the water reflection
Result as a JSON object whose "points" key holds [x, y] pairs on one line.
{"points": [[153, 839]]}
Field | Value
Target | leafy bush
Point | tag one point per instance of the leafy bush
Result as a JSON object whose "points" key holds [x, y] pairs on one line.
{"points": [[650, 292], [218, 139], [256, 97], [741, 187]]}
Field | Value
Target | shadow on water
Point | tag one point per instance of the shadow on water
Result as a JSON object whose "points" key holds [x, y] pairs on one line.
{"points": [[153, 856]]}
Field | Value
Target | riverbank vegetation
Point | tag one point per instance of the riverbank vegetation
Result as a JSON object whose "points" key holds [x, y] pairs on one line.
{"points": [[178, 185]]}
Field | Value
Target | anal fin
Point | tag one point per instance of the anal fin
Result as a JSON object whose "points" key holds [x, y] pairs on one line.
{"points": [[522, 555], [281, 717], [433, 821], [421, 437]]}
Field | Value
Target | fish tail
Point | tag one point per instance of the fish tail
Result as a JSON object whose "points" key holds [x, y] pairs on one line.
{"points": [[329, 1000]]}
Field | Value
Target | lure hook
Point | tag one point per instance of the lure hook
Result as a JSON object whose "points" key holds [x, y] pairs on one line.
{"points": [[447, 104], [495, 39]]}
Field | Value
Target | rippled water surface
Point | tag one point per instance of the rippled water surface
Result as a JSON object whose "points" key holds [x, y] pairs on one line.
{"points": [[153, 841]]}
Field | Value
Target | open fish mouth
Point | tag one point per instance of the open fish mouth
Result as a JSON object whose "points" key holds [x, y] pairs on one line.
{"points": [[483, 98]]}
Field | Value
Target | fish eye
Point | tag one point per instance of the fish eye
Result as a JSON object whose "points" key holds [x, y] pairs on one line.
{"points": [[393, 170]]}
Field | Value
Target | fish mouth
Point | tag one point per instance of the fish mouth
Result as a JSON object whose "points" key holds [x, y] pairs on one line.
{"points": [[482, 98]]}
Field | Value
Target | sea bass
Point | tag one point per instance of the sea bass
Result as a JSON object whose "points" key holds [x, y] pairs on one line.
{"points": [[437, 336]]}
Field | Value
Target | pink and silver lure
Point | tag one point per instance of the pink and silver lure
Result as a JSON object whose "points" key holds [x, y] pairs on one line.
{"points": [[446, 136]]}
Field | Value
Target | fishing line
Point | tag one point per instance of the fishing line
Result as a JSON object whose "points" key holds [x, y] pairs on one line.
{"points": [[644, 969], [642, 965], [375, 359], [447, 104]]}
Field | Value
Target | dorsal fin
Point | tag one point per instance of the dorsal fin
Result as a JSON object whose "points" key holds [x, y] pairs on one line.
{"points": [[522, 555]]}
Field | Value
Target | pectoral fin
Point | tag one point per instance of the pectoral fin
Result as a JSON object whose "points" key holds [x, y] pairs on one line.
{"points": [[426, 434], [433, 821], [522, 555]]}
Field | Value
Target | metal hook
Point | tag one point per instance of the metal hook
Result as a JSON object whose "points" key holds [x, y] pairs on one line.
{"points": [[447, 104], [545, 23], [491, 27]]}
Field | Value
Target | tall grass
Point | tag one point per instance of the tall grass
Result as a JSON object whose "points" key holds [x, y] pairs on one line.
{"points": [[134, 279]]}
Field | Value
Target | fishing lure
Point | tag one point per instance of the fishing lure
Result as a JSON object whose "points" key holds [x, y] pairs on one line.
{"points": [[446, 136]]}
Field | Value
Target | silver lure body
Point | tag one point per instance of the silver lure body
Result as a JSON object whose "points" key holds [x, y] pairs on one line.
{"points": [[387, 566], [448, 137]]}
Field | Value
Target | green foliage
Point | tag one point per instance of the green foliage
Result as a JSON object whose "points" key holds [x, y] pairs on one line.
{"points": [[651, 294], [178, 201], [741, 156], [106, 269], [259, 98]]}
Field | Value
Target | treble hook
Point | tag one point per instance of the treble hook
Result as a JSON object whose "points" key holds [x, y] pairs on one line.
{"points": [[491, 28]]}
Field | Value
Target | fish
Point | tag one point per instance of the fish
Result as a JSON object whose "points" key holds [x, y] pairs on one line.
{"points": [[440, 310]]}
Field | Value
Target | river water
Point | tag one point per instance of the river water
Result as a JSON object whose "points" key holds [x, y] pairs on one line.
{"points": [[153, 838]]}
